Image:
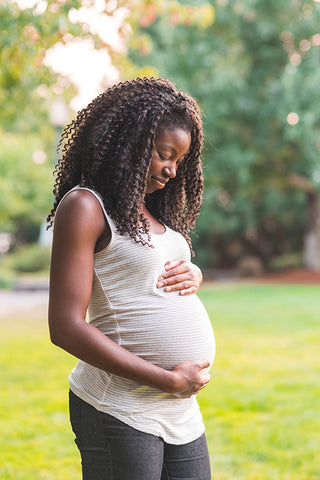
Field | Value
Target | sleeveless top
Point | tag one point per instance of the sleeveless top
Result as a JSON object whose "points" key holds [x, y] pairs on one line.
{"points": [[164, 328]]}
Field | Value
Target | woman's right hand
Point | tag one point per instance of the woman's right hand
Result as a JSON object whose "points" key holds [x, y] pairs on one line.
{"points": [[189, 378]]}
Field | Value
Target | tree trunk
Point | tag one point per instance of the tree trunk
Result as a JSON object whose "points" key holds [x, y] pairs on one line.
{"points": [[311, 248], [311, 253]]}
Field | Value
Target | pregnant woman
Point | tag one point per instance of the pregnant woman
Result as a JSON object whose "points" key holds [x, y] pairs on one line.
{"points": [[128, 191]]}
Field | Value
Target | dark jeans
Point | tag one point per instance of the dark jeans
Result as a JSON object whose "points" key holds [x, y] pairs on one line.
{"points": [[112, 450]]}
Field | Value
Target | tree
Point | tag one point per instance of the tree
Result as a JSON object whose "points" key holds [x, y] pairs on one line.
{"points": [[247, 71], [25, 80], [25, 184], [28, 87]]}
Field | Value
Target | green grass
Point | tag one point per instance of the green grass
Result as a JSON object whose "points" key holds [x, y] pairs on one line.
{"points": [[261, 408]]}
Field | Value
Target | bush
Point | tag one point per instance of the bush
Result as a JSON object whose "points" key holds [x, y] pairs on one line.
{"points": [[29, 259], [286, 261], [6, 283]]}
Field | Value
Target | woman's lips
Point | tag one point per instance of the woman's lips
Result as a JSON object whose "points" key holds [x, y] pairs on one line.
{"points": [[160, 183]]}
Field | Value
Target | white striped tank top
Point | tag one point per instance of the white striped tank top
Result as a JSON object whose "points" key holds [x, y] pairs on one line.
{"points": [[164, 328]]}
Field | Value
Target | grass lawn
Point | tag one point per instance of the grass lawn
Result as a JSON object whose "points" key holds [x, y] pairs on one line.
{"points": [[261, 409]]}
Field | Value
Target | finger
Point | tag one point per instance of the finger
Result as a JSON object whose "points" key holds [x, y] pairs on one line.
{"points": [[180, 278], [185, 269], [164, 282], [173, 263], [189, 291], [179, 270], [201, 388], [174, 280], [204, 364], [177, 287], [199, 273], [206, 379]]}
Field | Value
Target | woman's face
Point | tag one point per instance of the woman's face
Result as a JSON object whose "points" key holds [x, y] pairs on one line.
{"points": [[170, 147]]}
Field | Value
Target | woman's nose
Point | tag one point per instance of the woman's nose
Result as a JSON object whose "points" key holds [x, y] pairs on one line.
{"points": [[170, 171]]}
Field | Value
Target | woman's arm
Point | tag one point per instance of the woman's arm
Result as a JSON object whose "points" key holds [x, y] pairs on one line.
{"points": [[181, 276], [79, 224]]}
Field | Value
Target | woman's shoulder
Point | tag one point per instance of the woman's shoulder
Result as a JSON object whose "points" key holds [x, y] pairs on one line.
{"points": [[80, 199], [80, 208]]}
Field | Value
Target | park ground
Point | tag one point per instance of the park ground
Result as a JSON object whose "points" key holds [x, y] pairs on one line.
{"points": [[261, 408]]}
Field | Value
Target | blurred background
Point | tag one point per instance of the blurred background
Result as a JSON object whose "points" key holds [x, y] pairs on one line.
{"points": [[253, 66]]}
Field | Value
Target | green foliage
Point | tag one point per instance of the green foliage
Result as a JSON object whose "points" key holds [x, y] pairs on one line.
{"points": [[286, 261], [24, 38], [27, 89], [261, 407], [25, 185], [5, 281], [254, 65], [248, 63], [28, 259]]}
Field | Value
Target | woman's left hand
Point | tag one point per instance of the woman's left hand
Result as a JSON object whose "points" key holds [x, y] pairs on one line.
{"points": [[181, 276]]}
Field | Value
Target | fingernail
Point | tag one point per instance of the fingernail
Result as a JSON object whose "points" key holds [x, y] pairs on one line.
{"points": [[167, 289], [160, 284]]}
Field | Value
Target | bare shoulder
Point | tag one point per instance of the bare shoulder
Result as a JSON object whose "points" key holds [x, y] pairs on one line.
{"points": [[80, 212]]}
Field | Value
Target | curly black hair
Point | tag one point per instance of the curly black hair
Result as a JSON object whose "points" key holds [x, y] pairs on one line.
{"points": [[108, 148]]}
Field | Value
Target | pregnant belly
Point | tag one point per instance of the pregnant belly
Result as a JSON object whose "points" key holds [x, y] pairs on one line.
{"points": [[171, 331]]}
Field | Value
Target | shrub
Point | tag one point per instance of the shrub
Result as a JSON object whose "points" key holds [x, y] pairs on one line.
{"points": [[29, 259]]}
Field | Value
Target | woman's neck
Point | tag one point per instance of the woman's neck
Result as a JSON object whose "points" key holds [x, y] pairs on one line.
{"points": [[154, 225]]}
